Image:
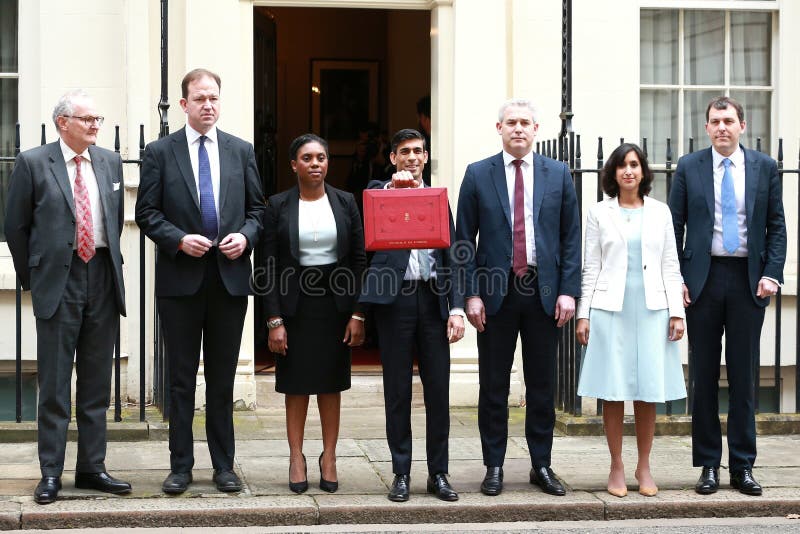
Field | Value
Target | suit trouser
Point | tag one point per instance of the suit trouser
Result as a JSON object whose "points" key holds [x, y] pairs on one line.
{"points": [[520, 314], [413, 323], [215, 317], [85, 327], [725, 305]]}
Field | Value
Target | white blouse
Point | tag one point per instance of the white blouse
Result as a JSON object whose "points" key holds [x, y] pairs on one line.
{"points": [[317, 229]]}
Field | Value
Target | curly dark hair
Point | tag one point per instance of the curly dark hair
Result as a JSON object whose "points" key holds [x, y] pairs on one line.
{"points": [[608, 175]]}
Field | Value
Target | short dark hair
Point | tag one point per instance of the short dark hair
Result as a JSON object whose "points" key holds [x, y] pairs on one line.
{"points": [[196, 74], [608, 175], [424, 106], [301, 141], [404, 135], [722, 102]]}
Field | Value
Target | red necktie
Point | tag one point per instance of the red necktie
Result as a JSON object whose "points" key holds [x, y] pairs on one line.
{"points": [[520, 263], [84, 230]]}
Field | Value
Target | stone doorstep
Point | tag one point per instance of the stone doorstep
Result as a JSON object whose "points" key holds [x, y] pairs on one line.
{"points": [[674, 425], [364, 509], [567, 425]]}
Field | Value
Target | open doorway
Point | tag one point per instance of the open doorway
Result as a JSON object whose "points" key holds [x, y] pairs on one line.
{"points": [[353, 76]]}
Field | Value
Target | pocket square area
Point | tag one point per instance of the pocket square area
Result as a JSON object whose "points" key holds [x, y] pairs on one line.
{"points": [[116, 186]]}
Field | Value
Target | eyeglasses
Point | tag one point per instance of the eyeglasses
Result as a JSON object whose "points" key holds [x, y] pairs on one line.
{"points": [[87, 120]]}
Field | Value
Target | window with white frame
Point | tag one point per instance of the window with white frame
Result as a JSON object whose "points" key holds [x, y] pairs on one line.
{"points": [[9, 77], [687, 57]]}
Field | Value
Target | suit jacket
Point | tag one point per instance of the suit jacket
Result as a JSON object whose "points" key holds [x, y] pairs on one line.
{"points": [[384, 277], [605, 260], [40, 221], [483, 206], [279, 276], [692, 203], [168, 208]]}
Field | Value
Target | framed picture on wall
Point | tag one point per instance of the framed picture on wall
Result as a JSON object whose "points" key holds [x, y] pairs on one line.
{"points": [[344, 97]]}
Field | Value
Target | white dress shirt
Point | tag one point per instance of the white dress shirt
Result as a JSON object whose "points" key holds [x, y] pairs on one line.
{"points": [[212, 147], [89, 178], [316, 232], [737, 171], [527, 182]]}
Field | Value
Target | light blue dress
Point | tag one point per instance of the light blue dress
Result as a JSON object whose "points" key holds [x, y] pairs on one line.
{"points": [[629, 356]]}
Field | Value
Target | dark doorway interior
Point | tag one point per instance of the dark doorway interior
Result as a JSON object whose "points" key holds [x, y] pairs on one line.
{"points": [[375, 63]]}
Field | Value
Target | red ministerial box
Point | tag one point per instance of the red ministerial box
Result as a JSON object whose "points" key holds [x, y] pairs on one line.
{"points": [[406, 218]]}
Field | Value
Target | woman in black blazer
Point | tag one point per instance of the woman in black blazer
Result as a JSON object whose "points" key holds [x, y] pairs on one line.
{"points": [[314, 257]]}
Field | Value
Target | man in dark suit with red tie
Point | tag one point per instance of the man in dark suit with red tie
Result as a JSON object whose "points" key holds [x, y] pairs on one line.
{"points": [[522, 280], [63, 222], [200, 201], [727, 202]]}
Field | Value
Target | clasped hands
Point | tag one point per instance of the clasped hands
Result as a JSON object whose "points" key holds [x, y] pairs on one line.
{"points": [[196, 245]]}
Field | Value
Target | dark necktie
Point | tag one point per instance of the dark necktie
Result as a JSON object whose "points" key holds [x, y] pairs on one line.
{"points": [[84, 225], [208, 212], [520, 263]]}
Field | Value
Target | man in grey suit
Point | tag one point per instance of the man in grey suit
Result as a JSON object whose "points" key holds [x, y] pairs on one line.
{"points": [[63, 223], [200, 201], [727, 202]]}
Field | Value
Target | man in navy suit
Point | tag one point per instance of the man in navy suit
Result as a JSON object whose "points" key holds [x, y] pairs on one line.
{"points": [[418, 308], [200, 202], [727, 202], [522, 280]]}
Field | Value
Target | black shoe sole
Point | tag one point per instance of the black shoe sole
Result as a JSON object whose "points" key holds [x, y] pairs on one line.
{"points": [[174, 491], [705, 491], [45, 501], [229, 489], [398, 498], [752, 493], [491, 492]]}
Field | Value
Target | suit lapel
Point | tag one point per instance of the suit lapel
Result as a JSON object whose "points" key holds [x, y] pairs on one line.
{"points": [[226, 161], [103, 181], [705, 173], [616, 216], [59, 170], [539, 184], [339, 216], [180, 148], [751, 175], [500, 185], [293, 211]]}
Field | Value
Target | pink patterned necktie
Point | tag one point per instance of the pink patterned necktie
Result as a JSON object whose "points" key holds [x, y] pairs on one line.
{"points": [[520, 258], [84, 231]]}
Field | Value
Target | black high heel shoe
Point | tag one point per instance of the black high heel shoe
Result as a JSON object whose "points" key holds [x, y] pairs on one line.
{"points": [[326, 485], [302, 486]]}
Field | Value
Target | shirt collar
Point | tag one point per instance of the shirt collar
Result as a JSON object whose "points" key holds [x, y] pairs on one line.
{"points": [[737, 158], [193, 135], [70, 154], [508, 158]]}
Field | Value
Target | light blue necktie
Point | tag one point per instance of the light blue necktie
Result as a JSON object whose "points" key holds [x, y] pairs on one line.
{"points": [[208, 212], [424, 260], [730, 224]]}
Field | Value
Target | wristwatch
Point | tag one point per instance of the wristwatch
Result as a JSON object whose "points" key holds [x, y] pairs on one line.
{"points": [[274, 323]]}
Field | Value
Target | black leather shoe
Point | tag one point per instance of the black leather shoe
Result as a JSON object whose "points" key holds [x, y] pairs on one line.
{"points": [[399, 491], [302, 486], [326, 485], [47, 490], [101, 482], [708, 482], [176, 483], [439, 486], [227, 481], [743, 481], [493, 481], [546, 479]]}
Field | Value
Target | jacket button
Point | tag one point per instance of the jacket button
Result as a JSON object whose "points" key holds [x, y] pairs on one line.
{"points": [[644, 266], [69, 243]]}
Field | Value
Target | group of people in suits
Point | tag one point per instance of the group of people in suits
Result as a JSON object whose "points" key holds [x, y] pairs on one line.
{"points": [[716, 251]]}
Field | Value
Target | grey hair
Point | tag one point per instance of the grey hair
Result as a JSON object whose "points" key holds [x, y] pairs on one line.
{"points": [[65, 106], [516, 103]]}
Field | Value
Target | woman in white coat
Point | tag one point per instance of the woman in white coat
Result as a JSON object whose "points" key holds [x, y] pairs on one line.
{"points": [[631, 296]]}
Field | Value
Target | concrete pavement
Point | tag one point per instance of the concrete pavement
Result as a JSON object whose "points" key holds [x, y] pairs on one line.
{"points": [[364, 469]]}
